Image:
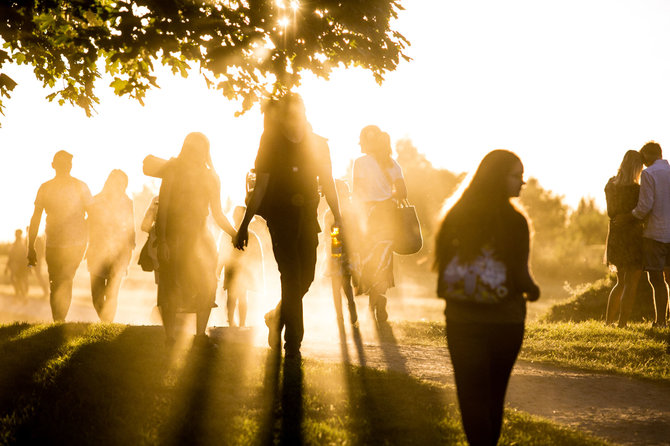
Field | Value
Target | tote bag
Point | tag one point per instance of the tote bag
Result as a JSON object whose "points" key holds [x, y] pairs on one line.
{"points": [[407, 238]]}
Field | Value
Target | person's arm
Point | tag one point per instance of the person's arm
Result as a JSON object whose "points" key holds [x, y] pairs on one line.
{"points": [[215, 205], [329, 191], [399, 187], [526, 283], [646, 200], [150, 216], [257, 195], [32, 234], [164, 198], [130, 224], [327, 182]]}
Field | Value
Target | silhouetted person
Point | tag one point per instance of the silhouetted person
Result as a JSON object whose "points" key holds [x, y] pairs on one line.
{"points": [[186, 249], [17, 265], [243, 272], [378, 185], [343, 256], [65, 200], [291, 163], [624, 238], [654, 207], [482, 250], [111, 225]]}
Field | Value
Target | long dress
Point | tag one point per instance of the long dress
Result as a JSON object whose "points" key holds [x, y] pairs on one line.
{"points": [[187, 280], [111, 234], [624, 239], [373, 186]]}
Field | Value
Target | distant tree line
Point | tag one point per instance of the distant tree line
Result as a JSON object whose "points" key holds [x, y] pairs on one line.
{"points": [[568, 245]]}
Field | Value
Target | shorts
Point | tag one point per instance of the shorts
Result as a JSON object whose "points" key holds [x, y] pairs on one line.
{"points": [[62, 262], [655, 255]]}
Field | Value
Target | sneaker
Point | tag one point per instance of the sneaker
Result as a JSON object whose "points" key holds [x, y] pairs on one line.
{"points": [[274, 333], [382, 314]]}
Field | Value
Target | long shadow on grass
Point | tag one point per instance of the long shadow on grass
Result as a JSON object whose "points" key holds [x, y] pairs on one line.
{"points": [[282, 417], [108, 392], [213, 398], [393, 408], [389, 346]]}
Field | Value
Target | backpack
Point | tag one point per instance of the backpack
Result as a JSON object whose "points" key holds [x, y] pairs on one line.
{"points": [[482, 280]]}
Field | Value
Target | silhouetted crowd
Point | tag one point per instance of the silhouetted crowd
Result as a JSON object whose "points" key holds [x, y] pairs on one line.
{"points": [[482, 247]]}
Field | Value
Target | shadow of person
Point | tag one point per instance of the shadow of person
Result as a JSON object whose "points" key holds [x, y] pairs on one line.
{"points": [[389, 345], [344, 350], [292, 402], [270, 399], [191, 420], [281, 421]]}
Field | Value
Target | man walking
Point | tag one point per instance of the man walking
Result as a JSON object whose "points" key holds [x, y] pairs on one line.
{"points": [[654, 206], [65, 200], [291, 163]]}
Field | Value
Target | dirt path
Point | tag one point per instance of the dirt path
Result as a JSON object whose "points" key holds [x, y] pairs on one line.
{"points": [[622, 410]]}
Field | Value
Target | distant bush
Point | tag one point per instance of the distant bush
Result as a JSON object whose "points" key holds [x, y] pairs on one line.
{"points": [[590, 302]]}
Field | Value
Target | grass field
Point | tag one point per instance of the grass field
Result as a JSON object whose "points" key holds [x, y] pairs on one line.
{"points": [[101, 384], [638, 350]]}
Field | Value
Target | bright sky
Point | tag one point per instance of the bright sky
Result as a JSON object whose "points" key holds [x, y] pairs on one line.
{"points": [[569, 85]]}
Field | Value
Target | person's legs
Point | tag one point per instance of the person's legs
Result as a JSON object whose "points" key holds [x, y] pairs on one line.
{"points": [[231, 303], [351, 303], [631, 279], [613, 303], [15, 284], [98, 285], [111, 298], [471, 359], [504, 344], [336, 284], [62, 264], [169, 317], [660, 292], [655, 254], [294, 243], [201, 320], [242, 308]]}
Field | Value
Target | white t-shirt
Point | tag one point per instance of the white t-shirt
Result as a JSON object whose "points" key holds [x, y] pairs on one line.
{"points": [[370, 182]]}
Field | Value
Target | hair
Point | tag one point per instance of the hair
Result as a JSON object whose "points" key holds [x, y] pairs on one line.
{"points": [[376, 143], [116, 181], [652, 149], [630, 168], [196, 149], [482, 214]]}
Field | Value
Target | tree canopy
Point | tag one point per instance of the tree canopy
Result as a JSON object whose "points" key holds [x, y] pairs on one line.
{"points": [[248, 49]]}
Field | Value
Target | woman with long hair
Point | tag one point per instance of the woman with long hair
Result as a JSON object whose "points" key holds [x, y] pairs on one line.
{"points": [[482, 250], [378, 184], [186, 249], [111, 239], [624, 238]]}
